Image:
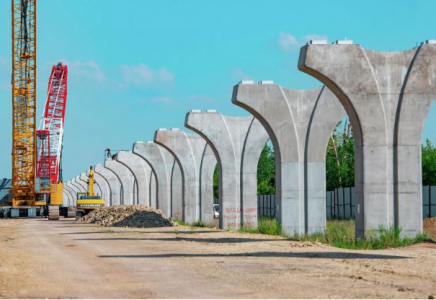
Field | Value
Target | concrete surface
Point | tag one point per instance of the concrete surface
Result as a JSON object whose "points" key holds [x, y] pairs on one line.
{"points": [[79, 184], [128, 186], [160, 160], [73, 187], [176, 191], [387, 96], [237, 143], [286, 115], [114, 183], [187, 149], [104, 188], [208, 164], [140, 169], [71, 197]]}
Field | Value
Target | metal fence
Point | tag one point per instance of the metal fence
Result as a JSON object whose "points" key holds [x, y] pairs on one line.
{"points": [[266, 205], [340, 203]]}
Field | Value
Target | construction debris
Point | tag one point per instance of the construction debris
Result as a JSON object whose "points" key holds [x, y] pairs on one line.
{"points": [[140, 216]]}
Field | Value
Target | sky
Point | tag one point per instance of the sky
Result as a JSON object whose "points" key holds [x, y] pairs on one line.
{"points": [[139, 65]]}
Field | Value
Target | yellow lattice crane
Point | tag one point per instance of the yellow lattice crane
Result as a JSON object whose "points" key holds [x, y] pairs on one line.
{"points": [[23, 102]]}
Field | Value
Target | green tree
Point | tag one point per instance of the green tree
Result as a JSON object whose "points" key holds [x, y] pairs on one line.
{"points": [[266, 172], [340, 157], [428, 164]]}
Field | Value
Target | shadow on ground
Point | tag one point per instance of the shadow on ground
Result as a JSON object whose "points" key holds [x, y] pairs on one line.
{"points": [[188, 239], [332, 255]]}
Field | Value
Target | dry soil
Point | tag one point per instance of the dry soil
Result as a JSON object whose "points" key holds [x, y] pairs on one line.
{"points": [[69, 259]]}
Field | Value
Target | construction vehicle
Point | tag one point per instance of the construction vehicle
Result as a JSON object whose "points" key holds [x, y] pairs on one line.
{"points": [[88, 201], [36, 184], [49, 146]]}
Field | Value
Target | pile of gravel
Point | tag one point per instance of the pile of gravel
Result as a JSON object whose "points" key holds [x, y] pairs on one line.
{"points": [[128, 216]]}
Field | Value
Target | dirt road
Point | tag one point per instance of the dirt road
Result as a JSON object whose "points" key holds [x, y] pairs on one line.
{"points": [[66, 259]]}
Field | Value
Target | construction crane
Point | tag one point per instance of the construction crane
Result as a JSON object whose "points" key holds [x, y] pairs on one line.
{"points": [[23, 102], [49, 142]]}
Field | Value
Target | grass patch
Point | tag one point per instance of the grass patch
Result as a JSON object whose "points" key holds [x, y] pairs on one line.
{"points": [[340, 233], [198, 223], [266, 225]]}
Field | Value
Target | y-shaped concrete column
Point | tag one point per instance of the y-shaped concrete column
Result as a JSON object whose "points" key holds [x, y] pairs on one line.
{"points": [[140, 170], [65, 198], [208, 165], [160, 160], [73, 187], [114, 183], [71, 199], [84, 179], [188, 150], [237, 143], [286, 115], [387, 96], [77, 182], [128, 185], [104, 188], [327, 113], [176, 191]]}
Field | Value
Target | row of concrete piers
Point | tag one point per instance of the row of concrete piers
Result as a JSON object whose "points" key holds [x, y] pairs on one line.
{"points": [[386, 95]]}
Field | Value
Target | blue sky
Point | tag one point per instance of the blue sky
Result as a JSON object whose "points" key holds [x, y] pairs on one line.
{"points": [[138, 65]]}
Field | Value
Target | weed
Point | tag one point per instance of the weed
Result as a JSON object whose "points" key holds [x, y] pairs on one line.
{"points": [[108, 231], [180, 222], [198, 223], [341, 234]]}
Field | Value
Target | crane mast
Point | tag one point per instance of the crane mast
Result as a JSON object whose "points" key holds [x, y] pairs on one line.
{"points": [[23, 102]]}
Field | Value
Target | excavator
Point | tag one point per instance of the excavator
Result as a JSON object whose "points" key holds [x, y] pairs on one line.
{"points": [[88, 201]]}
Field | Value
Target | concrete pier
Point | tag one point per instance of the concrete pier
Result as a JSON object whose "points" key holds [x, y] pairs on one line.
{"points": [[78, 183], [208, 165], [104, 188], [114, 183], [140, 169], [176, 191], [65, 198], [286, 115], [187, 150], [128, 184], [387, 96], [71, 196], [160, 160], [73, 187], [237, 143]]}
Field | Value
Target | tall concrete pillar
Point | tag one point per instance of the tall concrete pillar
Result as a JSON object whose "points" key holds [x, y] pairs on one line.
{"points": [[237, 143], [187, 150], [73, 188], [84, 179], [287, 115], [114, 183], [71, 197], [127, 181], [176, 191], [78, 183], [160, 160], [104, 188], [140, 170], [387, 96], [65, 198], [208, 165]]}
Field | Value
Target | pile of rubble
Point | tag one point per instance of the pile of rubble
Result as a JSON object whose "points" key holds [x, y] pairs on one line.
{"points": [[128, 216]]}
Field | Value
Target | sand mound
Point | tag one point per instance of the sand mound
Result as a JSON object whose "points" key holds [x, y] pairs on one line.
{"points": [[430, 226], [128, 216]]}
